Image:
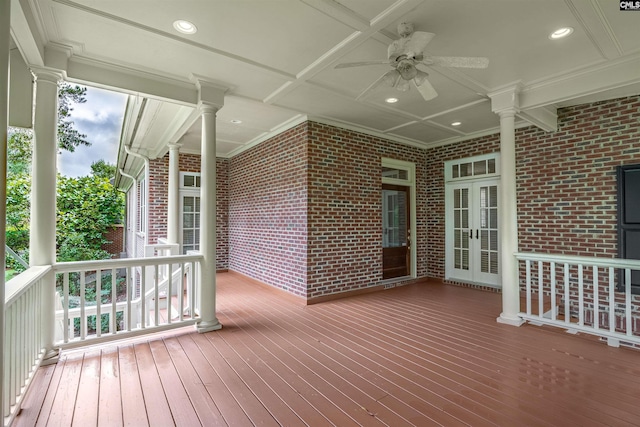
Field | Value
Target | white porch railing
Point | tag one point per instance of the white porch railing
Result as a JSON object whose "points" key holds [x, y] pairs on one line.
{"points": [[581, 294], [24, 346], [97, 301], [107, 300]]}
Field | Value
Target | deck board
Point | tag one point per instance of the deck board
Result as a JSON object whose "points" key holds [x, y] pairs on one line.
{"points": [[421, 355]]}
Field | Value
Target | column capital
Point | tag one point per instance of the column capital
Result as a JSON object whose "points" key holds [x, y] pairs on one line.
{"points": [[47, 74], [204, 107], [506, 101], [173, 146], [210, 93]]}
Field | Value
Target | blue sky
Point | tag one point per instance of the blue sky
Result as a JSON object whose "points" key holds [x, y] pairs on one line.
{"points": [[100, 118]]}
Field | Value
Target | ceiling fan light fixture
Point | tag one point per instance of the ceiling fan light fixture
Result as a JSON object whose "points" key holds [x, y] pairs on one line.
{"points": [[560, 33], [185, 27], [407, 70]]}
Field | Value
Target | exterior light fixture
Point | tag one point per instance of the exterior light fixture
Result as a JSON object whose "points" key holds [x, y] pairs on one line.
{"points": [[236, 121], [185, 27], [391, 100], [560, 33], [456, 123]]}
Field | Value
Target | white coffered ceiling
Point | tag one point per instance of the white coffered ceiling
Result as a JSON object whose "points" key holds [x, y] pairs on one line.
{"points": [[277, 58]]}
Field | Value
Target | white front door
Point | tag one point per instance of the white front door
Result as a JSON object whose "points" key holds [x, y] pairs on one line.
{"points": [[472, 244]]}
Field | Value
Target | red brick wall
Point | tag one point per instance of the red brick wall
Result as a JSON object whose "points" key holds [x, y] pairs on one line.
{"points": [[158, 194], [567, 179], [268, 211], [115, 237], [345, 208]]}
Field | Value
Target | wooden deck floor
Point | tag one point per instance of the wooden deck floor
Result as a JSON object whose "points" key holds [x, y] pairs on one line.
{"points": [[418, 355]]}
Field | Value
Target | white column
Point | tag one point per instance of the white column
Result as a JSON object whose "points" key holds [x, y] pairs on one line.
{"points": [[209, 321], [509, 220], [173, 198], [5, 36], [42, 239]]}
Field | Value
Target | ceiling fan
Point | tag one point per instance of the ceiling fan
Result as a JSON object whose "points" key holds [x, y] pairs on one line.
{"points": [[406, 53]]}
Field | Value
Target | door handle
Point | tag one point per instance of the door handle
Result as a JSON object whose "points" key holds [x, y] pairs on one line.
{"points": [[477, 237]]}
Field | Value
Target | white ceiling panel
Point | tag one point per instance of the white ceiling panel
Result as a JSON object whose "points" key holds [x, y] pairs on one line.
{"points": [[277, 58]]}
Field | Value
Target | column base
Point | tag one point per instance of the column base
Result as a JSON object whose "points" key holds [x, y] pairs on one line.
{"points": [[51, 357], [510, 320], [208, 326]]}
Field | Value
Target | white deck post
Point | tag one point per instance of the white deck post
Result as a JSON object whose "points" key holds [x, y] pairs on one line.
{"points": [[173, 196], [212, 99], [5, 36], [42, 247], [505, 104]]}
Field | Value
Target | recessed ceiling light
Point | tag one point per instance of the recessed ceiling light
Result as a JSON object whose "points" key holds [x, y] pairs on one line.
{"points": [[456, 123], [391, 100], [236, 121], [560, 33], [185, 27]]}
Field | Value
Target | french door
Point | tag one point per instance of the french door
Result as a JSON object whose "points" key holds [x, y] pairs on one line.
{"points": [[472, 241]]}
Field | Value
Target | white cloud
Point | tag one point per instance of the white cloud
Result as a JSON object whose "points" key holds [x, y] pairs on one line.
{"points": [[100, 118]]}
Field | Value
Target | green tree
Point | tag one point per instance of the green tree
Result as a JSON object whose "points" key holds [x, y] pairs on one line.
{"points": [[103, 169], [68, 137], [86, 208]]}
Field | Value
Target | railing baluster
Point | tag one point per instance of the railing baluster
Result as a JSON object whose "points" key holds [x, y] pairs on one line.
{"points": [[114, 297], [580, 295], [627, 300], [143, 298], [13, 371], [169, 292], [552, 278], [567, 295], [156, 293], [65, 305], [130, 286], [596, 302], [612, 301], [83, 317], [528, 286], [98, 303], [192, 295], [540, 289], [181, 293]]}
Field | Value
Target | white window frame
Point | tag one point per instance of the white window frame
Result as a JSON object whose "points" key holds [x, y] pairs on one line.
{"points": [[191, 191]]}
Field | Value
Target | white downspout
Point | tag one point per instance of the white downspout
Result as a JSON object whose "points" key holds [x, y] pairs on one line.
{"points": [[134, 245], [146, 189]]}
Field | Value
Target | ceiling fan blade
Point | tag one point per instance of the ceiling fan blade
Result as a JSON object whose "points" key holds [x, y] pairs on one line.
{"points": [[426, 90], [457, 61], [411, 46], [361, 64], [418, 42]]}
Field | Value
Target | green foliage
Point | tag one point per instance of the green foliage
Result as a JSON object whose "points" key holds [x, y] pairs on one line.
{"points": [[68, 137], [19, 151], [86, 208], [103, 169]]}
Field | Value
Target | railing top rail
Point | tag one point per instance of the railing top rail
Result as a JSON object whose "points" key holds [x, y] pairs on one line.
{"points": [[572, 259], [65, 267], [20, 283]]}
